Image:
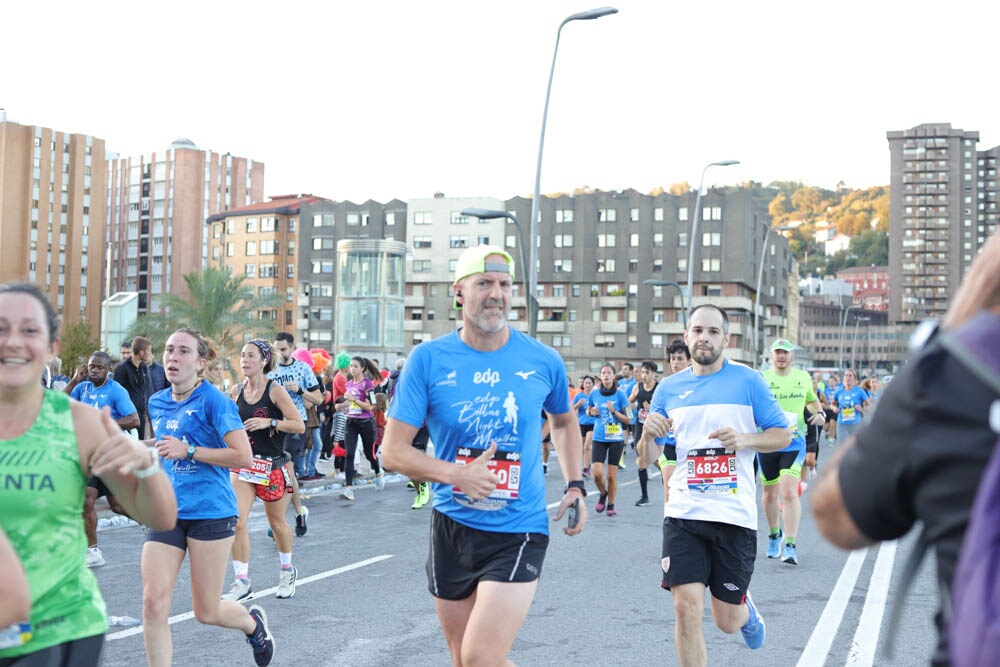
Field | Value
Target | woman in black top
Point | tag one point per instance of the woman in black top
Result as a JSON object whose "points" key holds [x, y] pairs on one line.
{"points": [[268, 413], [642, 395]]}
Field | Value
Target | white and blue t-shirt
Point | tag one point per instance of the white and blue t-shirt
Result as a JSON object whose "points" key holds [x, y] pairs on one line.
{"points": [[110, 394], [471, 399], [301, 374], [849, 402], [607, 428], [625, 386], [710, 484], [203, 490]]}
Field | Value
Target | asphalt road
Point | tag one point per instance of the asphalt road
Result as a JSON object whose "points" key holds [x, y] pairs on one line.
{"points": [[362, 596]]}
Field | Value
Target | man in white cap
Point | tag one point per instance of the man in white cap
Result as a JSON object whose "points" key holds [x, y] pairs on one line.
{"points": [[782, 470], [489, 528]]}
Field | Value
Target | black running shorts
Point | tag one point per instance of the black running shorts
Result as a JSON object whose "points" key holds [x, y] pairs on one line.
{"points": [[206, 530], [719, 555], [460, 557], [607, 451]]}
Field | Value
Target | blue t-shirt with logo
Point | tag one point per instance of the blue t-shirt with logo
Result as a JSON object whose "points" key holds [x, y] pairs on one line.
{"points": [[581, 402], [471, 399], [849, 402], [607, 428], [626, 386], [110, 394], [203, 490]]}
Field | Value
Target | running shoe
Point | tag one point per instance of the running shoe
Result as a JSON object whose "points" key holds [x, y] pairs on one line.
{"points": [[239, 591], [774, 545], [753, 630], [612, 511], [286, 583], [789, 555], [423, 496], [347, 493], [642, 502], [545, 469], [379, 481], [261, 640], [586, 472], [600, 503], [301, 527], [94, 557], [410, 485]]}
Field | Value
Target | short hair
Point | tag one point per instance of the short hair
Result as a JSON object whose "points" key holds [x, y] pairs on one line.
{"points": [[400, 363], [140, 344], [51, 319], [285, 336], [725, 317], [678, 345], [628, 365], [650, 366], [102, 356], [127, 343]]}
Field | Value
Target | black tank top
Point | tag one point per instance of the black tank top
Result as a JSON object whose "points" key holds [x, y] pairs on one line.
{"points": [[641, 397], [268, 442]]}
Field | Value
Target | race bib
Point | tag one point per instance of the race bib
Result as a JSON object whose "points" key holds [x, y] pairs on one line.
{"points": [[354, 409], [847, 414], [15, 635], [613, 431], [259, 471], [642, 415], [712, 470], [793, 422], [505, 465]]}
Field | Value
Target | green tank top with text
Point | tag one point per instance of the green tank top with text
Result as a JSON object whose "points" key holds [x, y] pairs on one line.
{"points": [[41, 509]]}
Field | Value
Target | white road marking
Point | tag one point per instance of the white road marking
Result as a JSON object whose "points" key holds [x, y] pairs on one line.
{"points": [[821, 639], [869, 625], [122, 634]]}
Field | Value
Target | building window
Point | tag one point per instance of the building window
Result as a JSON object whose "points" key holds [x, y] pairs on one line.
{"points": [[605, 240], [563, 240], [250, 270], [607, 215], [633, 215], [633, 266], [458, 242], [251, 225], [682, 213], [353, 219], [251, 248], [658, 214], [682, 264], [230, 249], [268, 224], [421, 266], [268, 247], [605, 266], [459, 219], [713, 239], [564, 215], [658, 240], [322, 267], [323, 220], [323, 243], [604, 340], [421, 241], [422, 217], [682, 239], [711, 264]]}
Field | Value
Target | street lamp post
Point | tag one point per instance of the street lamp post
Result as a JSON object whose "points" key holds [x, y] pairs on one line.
{"points": [[680, 290], [531, 301], [854, 342], [760, 285], [843, 324], [531, 270], [694, 227]]}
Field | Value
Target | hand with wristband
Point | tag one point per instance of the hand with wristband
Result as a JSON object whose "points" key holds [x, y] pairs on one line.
{"points": [[572, 502]]}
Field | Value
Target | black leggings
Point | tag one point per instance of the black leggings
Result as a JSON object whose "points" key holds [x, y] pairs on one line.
{"points": [[86, 651], [366, 429]]}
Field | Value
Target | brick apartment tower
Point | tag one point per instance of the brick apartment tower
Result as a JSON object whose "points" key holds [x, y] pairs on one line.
{"points": [[158, 205], [52, 216]]}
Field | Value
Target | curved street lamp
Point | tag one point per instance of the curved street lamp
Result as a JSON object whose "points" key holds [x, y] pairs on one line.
{"points": [[664, 283], [694, 227], [531, 301], [531, 270], [843, 324]]}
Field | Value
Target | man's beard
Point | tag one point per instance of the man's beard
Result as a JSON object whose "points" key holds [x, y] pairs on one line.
{"points": [[713, 356]]}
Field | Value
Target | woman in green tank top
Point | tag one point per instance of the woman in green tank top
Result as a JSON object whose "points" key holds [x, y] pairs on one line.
{"points": [[49, 446]]}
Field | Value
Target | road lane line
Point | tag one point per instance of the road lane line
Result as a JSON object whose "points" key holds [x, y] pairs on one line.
{"points": [[870, 624], [821, 639], [122, 634]]}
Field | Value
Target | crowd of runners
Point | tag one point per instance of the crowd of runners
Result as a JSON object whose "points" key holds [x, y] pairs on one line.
{"points": [[469, 418]]}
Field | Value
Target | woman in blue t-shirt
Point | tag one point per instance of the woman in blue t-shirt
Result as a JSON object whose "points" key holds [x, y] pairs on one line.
{"points": [[200, 436], [581, 403], [850, 402], [609, 407]]}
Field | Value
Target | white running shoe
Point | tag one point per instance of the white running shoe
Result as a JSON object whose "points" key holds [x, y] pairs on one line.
{"points": [[94, 557], [240, 590], [347, 493], [380, 481], [286, 583]]}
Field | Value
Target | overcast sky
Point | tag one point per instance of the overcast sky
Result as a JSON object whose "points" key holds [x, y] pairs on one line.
{"points": [[378, 99]]}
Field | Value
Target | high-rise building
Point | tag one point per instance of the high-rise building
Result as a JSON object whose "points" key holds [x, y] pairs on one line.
{"points": [[52, 216], [596, 252], [942, 208], [157, 208], [259, 242]]}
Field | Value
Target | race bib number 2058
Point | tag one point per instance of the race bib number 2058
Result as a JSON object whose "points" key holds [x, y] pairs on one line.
{"points": [[505, 465]]}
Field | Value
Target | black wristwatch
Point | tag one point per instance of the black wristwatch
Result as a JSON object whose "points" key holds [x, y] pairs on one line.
{"points": [[274, 424], [299, 391], [577, 484]]}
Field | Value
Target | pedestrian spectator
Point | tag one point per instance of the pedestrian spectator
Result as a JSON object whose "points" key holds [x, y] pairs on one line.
{"points": [[54, 375], [489, 525], [923, 454], [200, 436], [722, 414], [92, 384], [45, 435], [361, 422], [142, 377]]}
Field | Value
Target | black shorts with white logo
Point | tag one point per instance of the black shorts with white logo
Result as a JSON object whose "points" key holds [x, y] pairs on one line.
{"points": [[460, 557], [719, 555]]}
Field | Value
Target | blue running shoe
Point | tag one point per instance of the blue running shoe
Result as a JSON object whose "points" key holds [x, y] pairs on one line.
{"points": [[753, 630], [789, 555], [774, 545]]}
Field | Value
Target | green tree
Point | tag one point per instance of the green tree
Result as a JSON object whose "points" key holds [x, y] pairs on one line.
{"points": [[870, 247], [678, 189], [220, 306], [76, 346]]}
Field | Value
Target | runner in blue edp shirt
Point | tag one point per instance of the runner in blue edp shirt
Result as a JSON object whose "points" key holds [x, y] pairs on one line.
{"points": [[481, 391]]}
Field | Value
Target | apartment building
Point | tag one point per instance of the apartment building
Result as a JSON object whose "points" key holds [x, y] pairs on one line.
{"points": [[258, 242], [157, 205], [870, 286], [942, 208], [52, 214], [596, 250]]}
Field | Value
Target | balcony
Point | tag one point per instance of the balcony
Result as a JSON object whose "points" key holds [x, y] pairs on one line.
{"points": [[302, 300], [413, 325], [612, 301], [414, 300], [552, 302], [613, 327], [726, 302], [667, 328], [302, 324], [549, 326]]}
